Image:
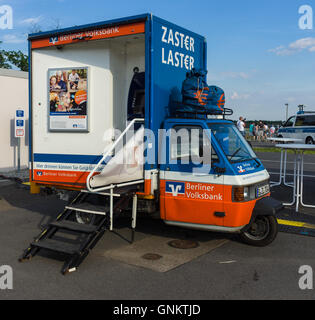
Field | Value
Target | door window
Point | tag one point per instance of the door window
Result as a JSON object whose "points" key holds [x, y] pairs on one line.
{"points": [[290, 122], [191, 144], [308, 120], [300, 121]]}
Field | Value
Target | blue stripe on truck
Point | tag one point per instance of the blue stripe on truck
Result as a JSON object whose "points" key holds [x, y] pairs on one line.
{"points": [[67, 158]]}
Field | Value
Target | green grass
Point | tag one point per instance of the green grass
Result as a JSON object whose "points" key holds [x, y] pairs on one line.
{"points": [[274, 149]]}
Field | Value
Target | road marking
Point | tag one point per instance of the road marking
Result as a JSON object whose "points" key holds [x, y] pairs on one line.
{"points": [[296, 224]]}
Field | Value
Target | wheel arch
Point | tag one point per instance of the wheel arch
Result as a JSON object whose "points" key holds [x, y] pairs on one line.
{"points": [[266, 206]]}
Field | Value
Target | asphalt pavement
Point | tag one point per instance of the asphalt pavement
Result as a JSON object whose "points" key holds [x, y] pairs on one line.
{"points": [[230, 271]]}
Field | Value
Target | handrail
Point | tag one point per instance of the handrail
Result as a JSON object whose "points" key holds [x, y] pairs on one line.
{"points": [[107, 154]]}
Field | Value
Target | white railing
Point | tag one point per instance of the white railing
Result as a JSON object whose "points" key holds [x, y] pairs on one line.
{"points": [[107, 153]]}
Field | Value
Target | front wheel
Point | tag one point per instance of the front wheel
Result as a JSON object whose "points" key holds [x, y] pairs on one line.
{"points": [[262, 231], [309, 140]]}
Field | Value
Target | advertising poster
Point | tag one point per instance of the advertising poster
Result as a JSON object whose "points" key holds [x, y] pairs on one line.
{"points": [[68, 97]]}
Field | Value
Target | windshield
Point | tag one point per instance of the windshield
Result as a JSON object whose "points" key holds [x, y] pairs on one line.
{"points": [[232, 142], [290, 122]]}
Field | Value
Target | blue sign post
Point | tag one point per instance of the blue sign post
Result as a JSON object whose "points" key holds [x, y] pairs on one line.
{"points": [[19, 131]]}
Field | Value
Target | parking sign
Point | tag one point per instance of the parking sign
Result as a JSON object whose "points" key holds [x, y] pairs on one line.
{"points": [[19, 123]]}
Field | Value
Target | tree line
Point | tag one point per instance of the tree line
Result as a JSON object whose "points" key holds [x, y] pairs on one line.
{"points": [[12, 58]]}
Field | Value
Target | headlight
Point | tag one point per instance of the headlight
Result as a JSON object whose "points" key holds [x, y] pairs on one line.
{"points": [[247, 193]]}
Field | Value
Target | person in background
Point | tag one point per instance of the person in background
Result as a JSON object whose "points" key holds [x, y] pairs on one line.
{"points": [[261, 130], [241, 126], [251, 129], [266, 131], [255, 131], [272, 130]]}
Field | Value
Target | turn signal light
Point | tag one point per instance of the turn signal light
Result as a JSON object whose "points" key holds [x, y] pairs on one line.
{"points": [[239, 194]]}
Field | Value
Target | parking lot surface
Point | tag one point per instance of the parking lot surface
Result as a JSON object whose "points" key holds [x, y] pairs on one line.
{"points": [[224, 268]]}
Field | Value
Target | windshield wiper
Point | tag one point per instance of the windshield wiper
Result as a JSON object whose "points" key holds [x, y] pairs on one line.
{"points": [[258, 163], [235, 153], [243, 158]]}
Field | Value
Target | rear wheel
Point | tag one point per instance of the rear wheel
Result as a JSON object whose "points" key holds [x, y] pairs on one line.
{"points": [[309, 140], [85, 218], [262, 231]]}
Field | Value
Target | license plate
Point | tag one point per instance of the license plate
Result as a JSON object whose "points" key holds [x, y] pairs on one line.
{"points": [[262, 190]]}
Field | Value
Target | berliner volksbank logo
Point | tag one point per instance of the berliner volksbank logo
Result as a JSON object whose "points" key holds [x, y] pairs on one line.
{"points": [[175, 188], [53, 40]]}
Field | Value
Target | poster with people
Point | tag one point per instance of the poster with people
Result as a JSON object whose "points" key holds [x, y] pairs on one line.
{"points": [[68, 97]]}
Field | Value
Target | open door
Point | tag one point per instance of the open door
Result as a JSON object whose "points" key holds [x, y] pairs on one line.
{"points": [[136, 95]]}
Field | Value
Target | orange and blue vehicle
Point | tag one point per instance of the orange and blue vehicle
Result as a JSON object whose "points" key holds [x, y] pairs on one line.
{"points": [[128, 75]]}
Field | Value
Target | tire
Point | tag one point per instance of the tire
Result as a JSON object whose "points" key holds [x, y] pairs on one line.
{"points": [[85, 218], [309, 140], [262, 231], [79, 217]]}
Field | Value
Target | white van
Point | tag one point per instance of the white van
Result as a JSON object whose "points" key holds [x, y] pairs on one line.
{"points": [[300, 126]]}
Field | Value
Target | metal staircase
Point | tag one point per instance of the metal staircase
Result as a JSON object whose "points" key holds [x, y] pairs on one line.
{"points": [[86, 220]]}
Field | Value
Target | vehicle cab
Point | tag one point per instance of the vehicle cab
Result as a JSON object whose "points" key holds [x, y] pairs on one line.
{"points": [[212, 180]]}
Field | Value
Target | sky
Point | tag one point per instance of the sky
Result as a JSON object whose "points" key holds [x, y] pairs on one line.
{"points": [[257, 52]]}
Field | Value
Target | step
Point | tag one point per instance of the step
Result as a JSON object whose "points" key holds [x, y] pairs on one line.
{"points": [[54, 245], [131, 185], [101, 193], [74, 226], [88, 208], [127, 189]]}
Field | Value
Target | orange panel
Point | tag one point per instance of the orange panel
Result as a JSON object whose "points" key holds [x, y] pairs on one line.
{"points": [[237, 214], [68, 179], [147, 188], [95, 34], [162, 200], [201, 211], [197, 204]]}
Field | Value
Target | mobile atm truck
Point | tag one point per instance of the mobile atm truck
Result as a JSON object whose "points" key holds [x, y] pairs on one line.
{"points": [[127, 75]]}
